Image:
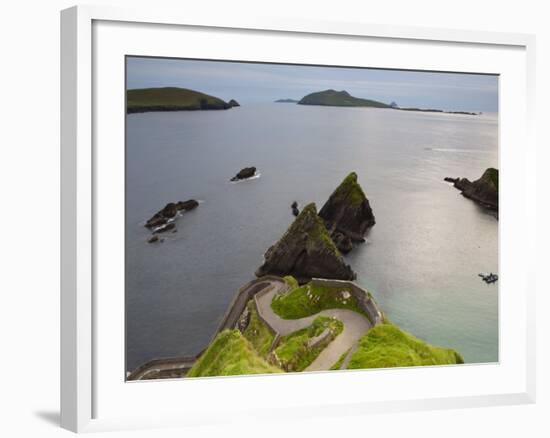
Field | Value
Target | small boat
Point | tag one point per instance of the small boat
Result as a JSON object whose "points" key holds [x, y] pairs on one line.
{"points": [[488, 278]]}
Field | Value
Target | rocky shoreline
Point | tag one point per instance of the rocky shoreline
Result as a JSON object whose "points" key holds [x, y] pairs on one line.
{"points": [[484, 190]]}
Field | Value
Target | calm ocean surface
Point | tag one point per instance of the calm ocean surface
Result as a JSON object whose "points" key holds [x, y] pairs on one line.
{"points": [[420, 261]]}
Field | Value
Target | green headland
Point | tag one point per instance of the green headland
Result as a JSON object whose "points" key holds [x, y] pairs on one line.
{"points": [[172, 99], [339, 98]]}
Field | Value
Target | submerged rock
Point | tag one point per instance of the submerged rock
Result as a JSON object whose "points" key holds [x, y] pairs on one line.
{"points": [[348, 210], [306, 251], [169, 211], [245, 173], [153, 239], [483, 190]]}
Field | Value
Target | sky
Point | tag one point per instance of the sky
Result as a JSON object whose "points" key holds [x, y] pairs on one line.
{"points": [[263, 83]]}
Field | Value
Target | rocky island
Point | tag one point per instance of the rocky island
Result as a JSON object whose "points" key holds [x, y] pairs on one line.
{"points": [[347, 214], [163, 220], [286, 101], [305, 251], [172, 99], [245, 173], [483, 190], [338, 98], [343, 98]]}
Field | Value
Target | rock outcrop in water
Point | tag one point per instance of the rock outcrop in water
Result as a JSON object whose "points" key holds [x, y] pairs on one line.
{"points": [[170, 210], [347, 213], [247, 172], [483, 190], [306, 251], [233, 103]]}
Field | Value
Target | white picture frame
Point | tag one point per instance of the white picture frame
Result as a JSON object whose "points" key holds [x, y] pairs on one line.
{"points": [[86, 376]]}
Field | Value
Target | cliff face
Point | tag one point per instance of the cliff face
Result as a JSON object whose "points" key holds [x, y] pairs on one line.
{"points": [[484, 190], [306, 251], [347, 212]]}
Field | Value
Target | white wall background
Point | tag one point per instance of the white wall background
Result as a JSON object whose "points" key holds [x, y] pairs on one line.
{"points": [[29, 221]]}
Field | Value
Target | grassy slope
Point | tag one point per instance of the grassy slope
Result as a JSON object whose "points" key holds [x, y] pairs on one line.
{"points": [[257, 333], [169, 98], [339, 98], [230, 354], [310, 299], [387, 346], [293, 352]]}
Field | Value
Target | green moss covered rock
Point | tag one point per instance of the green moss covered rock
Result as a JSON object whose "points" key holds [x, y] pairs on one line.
{"points": [[348, 212], [306, 250]]}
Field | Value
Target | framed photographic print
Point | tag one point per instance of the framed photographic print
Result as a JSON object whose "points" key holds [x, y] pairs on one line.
{"points": [[277, 207]]}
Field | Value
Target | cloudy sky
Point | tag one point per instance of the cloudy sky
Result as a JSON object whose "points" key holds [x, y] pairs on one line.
{"points": [[256, 83]]}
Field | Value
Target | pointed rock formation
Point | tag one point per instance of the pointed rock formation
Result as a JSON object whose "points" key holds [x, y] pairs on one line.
{"points": [[484, 190], [306, 251], [347, 213]]}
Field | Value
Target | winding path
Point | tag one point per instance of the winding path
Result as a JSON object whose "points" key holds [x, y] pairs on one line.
{"points": [[263, 290], [355, 326]]}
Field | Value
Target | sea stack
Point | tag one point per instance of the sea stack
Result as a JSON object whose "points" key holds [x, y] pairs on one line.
{"points": [[306, 251], [483, 190], [247, 172], [347, 213], [170, 211]]}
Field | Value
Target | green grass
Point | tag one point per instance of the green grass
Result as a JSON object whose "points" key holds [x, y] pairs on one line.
{"points": [[170, 98], [230, 354], [339, 98], [257, 333], [310, 299], [386, 346], [340, 361], [291, 281], [293, 352]]}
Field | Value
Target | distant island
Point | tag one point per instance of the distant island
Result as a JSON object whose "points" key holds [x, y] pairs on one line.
{"points": [[431, 110], [286, 101], [173, 99], [339, 98], [343, 98]]}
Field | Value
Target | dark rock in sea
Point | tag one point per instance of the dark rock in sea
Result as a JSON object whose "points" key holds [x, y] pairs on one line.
{"points": [[294, 207], [153, 239], [245, 173], [342, 242], [306, 250], [348, 210], [483, 190], [187, 205], [164, 228], [451, 180], [232, 103], [169, 211]]}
